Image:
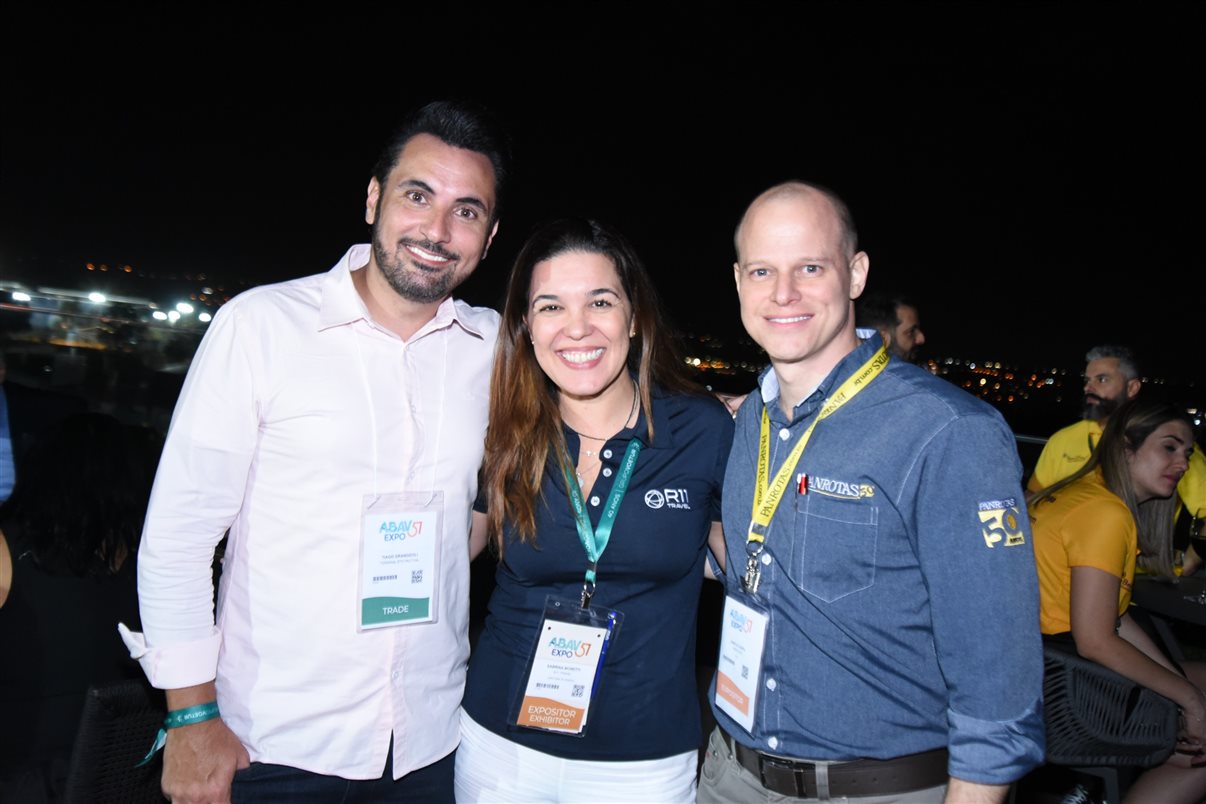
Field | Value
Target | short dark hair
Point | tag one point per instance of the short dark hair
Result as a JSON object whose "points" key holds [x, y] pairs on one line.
{"points": [[879, 310], [459, 123], [1124, 356]]}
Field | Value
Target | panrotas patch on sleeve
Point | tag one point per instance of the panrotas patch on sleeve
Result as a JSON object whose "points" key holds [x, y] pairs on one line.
{"points": [[1001, 521]]}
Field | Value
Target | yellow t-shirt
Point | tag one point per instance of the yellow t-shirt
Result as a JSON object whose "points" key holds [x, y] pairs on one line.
{"points": [[1065, 452], [1069, 449], [1086, 525]]}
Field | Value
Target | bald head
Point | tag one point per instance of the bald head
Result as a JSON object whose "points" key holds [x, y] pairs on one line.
{"points": [[803, 192], [796, 280]]}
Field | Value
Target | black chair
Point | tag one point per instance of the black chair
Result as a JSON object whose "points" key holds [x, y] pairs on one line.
{"points": [[1098, 721], [118, 726]]}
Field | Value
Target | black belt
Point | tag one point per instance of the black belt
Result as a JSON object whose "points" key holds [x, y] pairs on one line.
{"points": [[860, 777]]}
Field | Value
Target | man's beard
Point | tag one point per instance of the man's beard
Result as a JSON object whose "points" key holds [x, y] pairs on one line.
{"points": [[1101, 411], [909, 356], [419, 284]]}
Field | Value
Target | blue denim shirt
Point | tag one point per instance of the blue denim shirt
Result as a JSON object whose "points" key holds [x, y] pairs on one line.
{"points": [[901, 587]]}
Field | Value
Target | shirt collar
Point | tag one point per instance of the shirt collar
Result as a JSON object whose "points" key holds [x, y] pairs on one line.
{"points": [[664, 429], [341, 303], [870, 341], [864, 333]]}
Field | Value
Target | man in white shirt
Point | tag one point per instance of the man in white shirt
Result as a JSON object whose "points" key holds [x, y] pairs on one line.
{"points": [[334, 425]]}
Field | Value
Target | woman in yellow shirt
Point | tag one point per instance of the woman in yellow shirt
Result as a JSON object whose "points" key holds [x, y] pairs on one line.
{"points": [[1090, 530]]}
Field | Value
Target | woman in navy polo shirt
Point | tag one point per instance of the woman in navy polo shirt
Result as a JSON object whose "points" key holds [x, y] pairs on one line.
{"points": [[601, 485]]}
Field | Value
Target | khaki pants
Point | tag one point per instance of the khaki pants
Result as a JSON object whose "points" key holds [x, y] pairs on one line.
{"points": [[724, 781]]}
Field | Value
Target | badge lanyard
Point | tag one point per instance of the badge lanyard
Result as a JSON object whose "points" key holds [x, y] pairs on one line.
{"points": [[594, 541], [769, 493], [567, 657]]}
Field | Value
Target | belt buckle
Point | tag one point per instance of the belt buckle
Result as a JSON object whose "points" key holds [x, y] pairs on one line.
{"points": [[784, 777]]}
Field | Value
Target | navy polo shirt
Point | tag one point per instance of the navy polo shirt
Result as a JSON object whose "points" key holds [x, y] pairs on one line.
{"points": [[646, 705]]}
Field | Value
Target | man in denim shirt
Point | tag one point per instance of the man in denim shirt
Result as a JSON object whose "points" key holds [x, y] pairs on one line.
{"points": [[880, 637]]}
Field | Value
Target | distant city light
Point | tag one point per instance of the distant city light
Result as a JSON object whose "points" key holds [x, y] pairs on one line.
{"points": [[159, 315], [205, 318], [96, 298], [184, 307], [19, 296]]}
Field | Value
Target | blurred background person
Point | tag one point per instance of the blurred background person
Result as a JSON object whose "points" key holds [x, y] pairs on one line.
{"points": [[1111, 378], [68, 544], [1088, 530], [895, 319], [587, 398]]}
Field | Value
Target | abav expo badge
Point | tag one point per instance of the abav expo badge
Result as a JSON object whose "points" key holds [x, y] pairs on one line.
{"points": [[742, 638], [564, 669], [400, 547]]}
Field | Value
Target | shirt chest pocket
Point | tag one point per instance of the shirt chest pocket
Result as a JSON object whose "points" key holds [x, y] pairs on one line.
{"points": [[833, 552]]}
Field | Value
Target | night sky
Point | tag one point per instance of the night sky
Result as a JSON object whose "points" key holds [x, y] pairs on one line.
{"points": [[1029, 173]]}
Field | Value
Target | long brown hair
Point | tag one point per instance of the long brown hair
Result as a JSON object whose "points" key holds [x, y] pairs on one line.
{"points": [[1128, 427], [525, 422]]}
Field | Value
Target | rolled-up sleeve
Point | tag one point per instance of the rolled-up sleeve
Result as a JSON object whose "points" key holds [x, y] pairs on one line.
{"points": [[976, 555], [198, 491]]}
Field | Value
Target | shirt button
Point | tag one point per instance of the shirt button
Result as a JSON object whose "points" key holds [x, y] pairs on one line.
{"points": [[606, 472], [606, 453], [594, 501], [784, 434], [394, 675], [766, 559], [773, 742], [771, 683]]}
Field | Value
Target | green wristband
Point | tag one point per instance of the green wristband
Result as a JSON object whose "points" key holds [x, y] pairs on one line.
{"points": [[181, 717], [191, 714]]}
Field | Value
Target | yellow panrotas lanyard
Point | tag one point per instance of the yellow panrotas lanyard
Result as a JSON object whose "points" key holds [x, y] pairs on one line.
{"points": [[769, 493]]}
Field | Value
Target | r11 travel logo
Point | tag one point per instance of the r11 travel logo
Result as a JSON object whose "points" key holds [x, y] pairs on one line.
{"points": [[668, 498]]}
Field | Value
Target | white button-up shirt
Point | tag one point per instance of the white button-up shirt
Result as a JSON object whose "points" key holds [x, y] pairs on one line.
{"points": [[296, 407]]}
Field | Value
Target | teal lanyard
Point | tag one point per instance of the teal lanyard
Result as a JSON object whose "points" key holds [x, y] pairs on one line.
{"points": [[594, 541]]}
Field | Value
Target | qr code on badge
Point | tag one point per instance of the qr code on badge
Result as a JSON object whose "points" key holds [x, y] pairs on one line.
{"points": [[577, 691], [416, 576]]}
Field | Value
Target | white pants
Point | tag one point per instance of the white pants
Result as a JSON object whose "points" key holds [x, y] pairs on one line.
{"points": [[490, 768]]}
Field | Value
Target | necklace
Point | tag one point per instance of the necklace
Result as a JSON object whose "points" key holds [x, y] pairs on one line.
{"points": [[594, 453]]}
